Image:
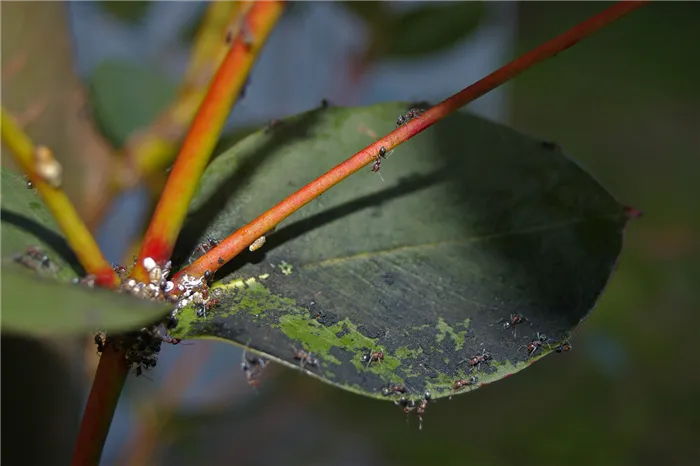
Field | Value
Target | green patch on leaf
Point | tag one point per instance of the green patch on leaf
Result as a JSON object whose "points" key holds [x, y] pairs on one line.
{"points": [[470, 222]]}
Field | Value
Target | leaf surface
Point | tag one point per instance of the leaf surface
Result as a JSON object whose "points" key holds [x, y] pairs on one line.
{"points": [[472, 222], [39, 299], [41, 306]]}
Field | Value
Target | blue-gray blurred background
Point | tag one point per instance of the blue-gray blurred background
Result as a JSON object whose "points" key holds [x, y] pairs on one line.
{"points": [[625, 103]]}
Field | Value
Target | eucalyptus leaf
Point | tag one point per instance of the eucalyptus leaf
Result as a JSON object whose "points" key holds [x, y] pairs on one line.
{"points": [[469, 222], [27, 223], [41, 306]]}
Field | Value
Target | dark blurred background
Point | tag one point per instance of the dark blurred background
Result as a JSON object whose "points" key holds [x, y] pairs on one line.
{"points": [[625, 103]]}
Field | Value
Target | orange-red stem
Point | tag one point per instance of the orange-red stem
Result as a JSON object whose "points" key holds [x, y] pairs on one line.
{"points": [[197, 147], [99, 410], [242, 238]]}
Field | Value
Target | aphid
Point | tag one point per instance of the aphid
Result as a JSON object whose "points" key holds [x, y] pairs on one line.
{"points": [[461, 383], [373, 356], [304, 358], [257, 244], [393, 389], [476, 361], [566, 346], [408, 116], [30, 185], [514, 320], [47, 167], [535, 344], [325, 103]]}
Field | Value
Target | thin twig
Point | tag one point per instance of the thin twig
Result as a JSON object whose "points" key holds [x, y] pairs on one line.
{"points": [[242, 238]]}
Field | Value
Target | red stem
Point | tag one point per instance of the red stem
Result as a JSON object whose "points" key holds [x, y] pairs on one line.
{"points": [[99, 411], [242, 238], [196, 150]]}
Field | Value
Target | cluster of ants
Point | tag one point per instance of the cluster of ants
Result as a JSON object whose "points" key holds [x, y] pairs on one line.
{"points": [[535, 344], [401, 120]]}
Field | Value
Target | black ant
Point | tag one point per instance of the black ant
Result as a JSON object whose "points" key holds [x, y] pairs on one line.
{"points": [[171, 340], [461, 383], [514, 320], [34, 258], [392, 389], [304, 358], [378, 161], [476, 361], [566, 346], [373, 356], [420, 411], [408, 116], [100, 343], [253, 368], [535, 344], [274, 123], [206, 246]]}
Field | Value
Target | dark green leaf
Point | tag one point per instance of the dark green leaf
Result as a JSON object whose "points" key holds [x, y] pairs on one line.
{"points": [[131, 12], [371, 12], [27, 223], [40, 306], [193, 24], [432, 28], [37, 300], [127, 97], [472, 222]]}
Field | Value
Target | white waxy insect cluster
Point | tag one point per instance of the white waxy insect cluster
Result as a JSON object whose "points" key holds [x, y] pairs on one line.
{"points": [[47, 167], [257, 244], [157, 284]]}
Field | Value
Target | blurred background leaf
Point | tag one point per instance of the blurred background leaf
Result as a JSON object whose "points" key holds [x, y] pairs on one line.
{"points": [[431, 28], [131, 11], [126, 97], [40, 87]]}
